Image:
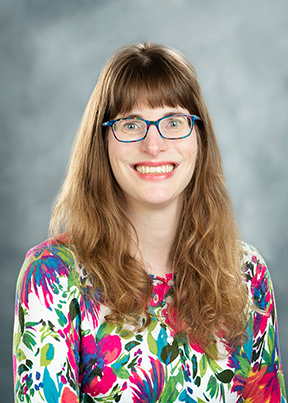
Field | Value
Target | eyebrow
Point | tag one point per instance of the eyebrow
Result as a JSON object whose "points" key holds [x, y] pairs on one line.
{"points": [[135, 115]]}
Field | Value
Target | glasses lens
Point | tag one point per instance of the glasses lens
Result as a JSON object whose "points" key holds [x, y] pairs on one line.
{"points": [[130, 129], [175, 126]]}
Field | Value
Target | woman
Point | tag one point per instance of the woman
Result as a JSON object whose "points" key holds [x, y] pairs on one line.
{"points": [[145, 293]]}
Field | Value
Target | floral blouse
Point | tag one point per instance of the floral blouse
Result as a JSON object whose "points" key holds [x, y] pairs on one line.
{"points": [[65, 351]]}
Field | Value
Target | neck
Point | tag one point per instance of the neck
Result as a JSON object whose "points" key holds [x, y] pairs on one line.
{"points": [[156, 229]]}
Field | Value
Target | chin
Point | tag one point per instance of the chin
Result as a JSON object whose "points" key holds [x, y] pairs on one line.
{"points": [[160, 200]]}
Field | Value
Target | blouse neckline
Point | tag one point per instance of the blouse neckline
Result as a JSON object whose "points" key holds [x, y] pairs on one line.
{"points": [[167, 277]]}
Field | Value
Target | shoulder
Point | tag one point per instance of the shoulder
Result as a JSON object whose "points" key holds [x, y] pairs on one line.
{"points": [[47, 266], [257, 276], [51, 249], [251, 258], [50, 254]]}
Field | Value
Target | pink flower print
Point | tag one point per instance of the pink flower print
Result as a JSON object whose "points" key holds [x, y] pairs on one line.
{"points": [[97, 377], [101, 384], [72, 339], [158, 294], [124, 386], [254, 259], [42, 274], [262, 386], [262, 298], [238, 384], [68, 396], [149, 386], [234, 362], [261, 287], [172, 320], [63, 379], [160, 288]]}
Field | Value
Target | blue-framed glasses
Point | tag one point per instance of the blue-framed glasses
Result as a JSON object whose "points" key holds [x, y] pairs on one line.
{"points": [[172, 127]]}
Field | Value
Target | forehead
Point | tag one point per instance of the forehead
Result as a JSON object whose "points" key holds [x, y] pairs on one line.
{"points": [[145, 111]]}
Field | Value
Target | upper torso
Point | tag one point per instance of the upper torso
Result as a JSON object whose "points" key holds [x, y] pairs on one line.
{"points": [[65, 351]]}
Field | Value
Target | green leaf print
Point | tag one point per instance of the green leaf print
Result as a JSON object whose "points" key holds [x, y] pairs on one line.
{"points": [[171, 388], [152, 344], [197, 381], [29, 363], [222, 392], [225, 376], [21, 318], [125, 334], [28, 340], [31, 324], [71, 279], [133, 363], [17, 339], [74, 309], [20, 355], [212, 386], [120, 372], [271, 339], [266, 356], [213, 365], [22, 368], [194, 364], [152, 325], [131, 345], [244, 365], [257, 347], [46, 355], [105, 329], [203, 365], [61, 317], [282, 384], [122, 360], [170, 352], [47, 330]]}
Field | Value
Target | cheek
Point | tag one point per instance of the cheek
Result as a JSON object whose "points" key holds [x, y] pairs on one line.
{"points": [[113, 164], [197, 151], [118, 154], [113, 152], [114, 167], [191, 150]]}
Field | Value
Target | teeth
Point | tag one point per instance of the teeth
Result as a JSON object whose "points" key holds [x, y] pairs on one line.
{"points": [[161, 169]]}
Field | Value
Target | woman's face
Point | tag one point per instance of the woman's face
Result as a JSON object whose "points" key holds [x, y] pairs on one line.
{"points": [[129, 161]]}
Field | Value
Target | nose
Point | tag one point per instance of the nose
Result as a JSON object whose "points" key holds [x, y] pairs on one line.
{"points": [[153, 143]]}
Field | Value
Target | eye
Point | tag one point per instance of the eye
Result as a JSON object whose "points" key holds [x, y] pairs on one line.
{"points": [[174, 123], [131, 125]]}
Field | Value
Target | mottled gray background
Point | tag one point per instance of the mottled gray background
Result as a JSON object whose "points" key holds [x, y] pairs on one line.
{"points": [[51, 55]]}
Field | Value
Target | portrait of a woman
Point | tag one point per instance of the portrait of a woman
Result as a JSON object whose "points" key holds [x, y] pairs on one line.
{"points": [[145, 291]]}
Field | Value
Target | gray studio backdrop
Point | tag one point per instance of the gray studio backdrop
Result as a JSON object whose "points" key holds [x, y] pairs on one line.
{"points": [[51, 54]]}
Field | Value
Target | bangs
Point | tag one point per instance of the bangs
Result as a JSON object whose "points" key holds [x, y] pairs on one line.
{"points": [[155, 84]]}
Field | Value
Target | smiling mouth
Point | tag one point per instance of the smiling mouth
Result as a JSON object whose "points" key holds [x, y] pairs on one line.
{"points": [[161, 169]]}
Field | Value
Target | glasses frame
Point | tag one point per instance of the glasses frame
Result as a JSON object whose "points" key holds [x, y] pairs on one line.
{"points": [[111, 123]]}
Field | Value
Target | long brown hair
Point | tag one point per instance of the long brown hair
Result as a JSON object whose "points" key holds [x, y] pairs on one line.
{"points": [[210, 296]]}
